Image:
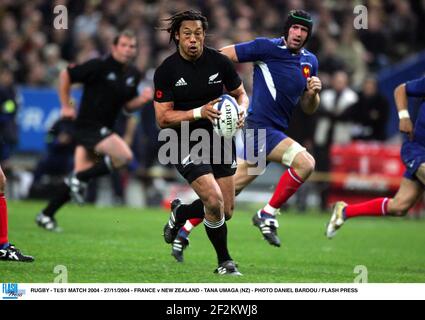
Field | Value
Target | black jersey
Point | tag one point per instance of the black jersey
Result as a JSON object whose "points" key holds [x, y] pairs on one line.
{"points": [[108, 86], [191, 84]]}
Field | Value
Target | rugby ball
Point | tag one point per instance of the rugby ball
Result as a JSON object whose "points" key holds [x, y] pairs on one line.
{"points": [[226, 125]]}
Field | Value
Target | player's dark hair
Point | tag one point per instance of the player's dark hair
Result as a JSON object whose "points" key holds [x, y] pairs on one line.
{"points": [[176, 20], [125, 33], [300, 17]]}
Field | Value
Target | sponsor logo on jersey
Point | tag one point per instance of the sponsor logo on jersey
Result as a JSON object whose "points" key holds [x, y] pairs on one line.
{"points": [[181, 82]]}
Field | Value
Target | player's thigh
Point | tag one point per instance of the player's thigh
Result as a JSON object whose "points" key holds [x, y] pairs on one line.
{"points": [[420, 173], [83, 159], [115, 147], [243, 177], [227, 187], [406, 196]]}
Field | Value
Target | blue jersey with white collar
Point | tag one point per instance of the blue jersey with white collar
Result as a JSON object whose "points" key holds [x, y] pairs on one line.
{"points": [[280, 78]]}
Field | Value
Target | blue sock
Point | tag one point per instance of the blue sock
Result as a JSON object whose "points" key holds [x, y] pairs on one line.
{"points": [[183, 234], [343, 214], [4, 245], [266, 215]]}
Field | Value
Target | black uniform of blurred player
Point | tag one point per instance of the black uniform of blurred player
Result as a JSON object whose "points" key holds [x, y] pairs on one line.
{"points": [[187, 84], [110, 84]]}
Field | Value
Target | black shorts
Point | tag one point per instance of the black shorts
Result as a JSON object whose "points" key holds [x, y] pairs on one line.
{"points": [[90, 136], [219, 165]]}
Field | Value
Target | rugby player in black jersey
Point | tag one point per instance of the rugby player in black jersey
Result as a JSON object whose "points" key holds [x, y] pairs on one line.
{"points": [[187, 85], [109, 86]]}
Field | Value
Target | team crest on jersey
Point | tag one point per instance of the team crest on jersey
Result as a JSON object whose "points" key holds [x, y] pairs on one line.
{"points": [[212, 79], [306, 70]]}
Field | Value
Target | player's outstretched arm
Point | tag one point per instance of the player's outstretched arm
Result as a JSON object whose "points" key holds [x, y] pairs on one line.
{"points": [[167, 117], [140, 100], [400, 97]]}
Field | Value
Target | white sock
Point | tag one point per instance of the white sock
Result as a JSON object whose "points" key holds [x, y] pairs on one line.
{"points": [[188, 226], [270, 210]]}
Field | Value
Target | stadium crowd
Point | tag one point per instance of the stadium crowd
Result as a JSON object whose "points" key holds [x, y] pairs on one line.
{"points": [[35, 52]]}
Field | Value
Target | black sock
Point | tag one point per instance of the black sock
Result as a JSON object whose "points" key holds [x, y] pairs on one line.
{"points": [[218, 237], [189, 211], [58, 201], [99, 169]]}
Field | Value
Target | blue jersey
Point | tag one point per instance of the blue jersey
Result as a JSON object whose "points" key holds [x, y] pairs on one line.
{"points": [[413, 152], [280, 78], [416, 88]]}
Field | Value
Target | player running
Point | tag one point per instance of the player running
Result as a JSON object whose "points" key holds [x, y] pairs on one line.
{"points": [[413, 156], [187, 84], [110, 85], [285, 74]]}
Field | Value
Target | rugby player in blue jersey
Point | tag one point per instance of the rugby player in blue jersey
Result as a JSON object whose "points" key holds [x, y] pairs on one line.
{"points": [[285, 74], [413, 155]]}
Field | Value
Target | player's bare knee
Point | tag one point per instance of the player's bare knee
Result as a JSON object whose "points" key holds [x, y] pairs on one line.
{"points": [[2, 182], [122, 160], [214, 204], [399, 208], [299, 159], [304, 166], [228, 212], [128, 157], [238, 189]]}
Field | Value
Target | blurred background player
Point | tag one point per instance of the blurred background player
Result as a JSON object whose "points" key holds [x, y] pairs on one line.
{"points": [[8, 111], [59, 158], [110, 84], [413, 156], [187, 85], [8, 252], [284, 75]]}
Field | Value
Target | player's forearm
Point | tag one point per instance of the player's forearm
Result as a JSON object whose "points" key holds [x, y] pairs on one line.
{"points": [[310, 103], [173, 118], [400, 97], [136, 103], [241, 97], [130, 130], [64, 88], [243, 101]]}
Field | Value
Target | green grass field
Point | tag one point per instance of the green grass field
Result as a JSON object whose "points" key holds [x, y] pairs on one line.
{"points": [[125, 245]]}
